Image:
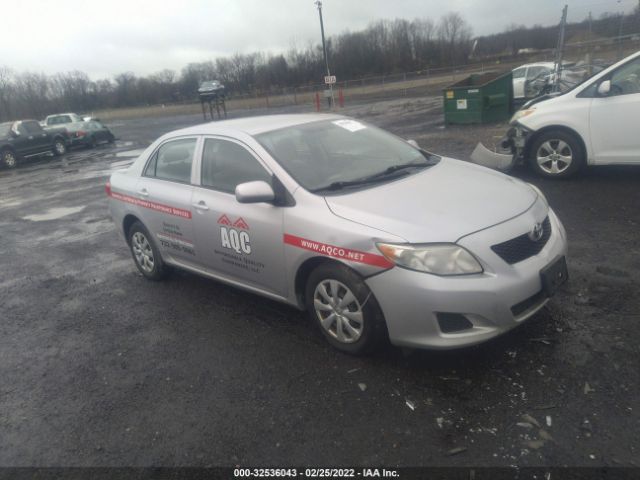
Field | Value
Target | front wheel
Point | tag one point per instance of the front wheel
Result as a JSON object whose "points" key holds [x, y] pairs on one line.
{"points": [[344, 309], [59, 147], [9, 159], [145, 253], [556, 154]]}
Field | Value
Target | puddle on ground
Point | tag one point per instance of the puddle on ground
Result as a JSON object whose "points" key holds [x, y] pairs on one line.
{"points": [[53, 214]]}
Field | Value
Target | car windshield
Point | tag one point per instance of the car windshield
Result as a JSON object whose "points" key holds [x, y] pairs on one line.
{"points": [[4, 129], [332, 154]]}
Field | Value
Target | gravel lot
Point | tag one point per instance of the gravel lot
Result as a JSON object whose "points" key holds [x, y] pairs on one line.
{"points": [[100, 367]]}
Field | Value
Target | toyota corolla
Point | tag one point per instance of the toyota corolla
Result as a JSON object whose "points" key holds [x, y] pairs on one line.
{"points": [[373, 236]]}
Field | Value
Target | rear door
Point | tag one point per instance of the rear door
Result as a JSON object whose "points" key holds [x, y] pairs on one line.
{"points": [[243, 241], [614, 119], [164, 193]]}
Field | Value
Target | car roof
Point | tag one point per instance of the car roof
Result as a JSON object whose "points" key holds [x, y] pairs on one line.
{"points": [[255, 125]]}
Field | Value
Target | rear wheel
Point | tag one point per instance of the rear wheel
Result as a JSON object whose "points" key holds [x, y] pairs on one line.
{"points": [[344, 309], [556, 154], [145, 253], [9, 159], [59, 147], [92, 142]]}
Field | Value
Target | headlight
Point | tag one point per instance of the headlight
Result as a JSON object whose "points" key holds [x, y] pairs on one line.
{"points": [[437, 258], [522, 113]]}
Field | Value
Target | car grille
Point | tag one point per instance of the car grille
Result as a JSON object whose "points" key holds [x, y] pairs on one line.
{"points": [[522, 247]]}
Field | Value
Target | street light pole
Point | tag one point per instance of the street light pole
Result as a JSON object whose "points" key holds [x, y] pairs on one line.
{"points": [[324, 46]]}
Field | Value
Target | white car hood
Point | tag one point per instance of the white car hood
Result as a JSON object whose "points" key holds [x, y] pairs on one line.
{"points": [[440, 204]]}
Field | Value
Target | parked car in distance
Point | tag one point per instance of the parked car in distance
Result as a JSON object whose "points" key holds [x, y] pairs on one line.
{"points": [[211, 89], [373, 236], [62, 118], [526, 74], [26, 138], [88, 134], [595, 123]]}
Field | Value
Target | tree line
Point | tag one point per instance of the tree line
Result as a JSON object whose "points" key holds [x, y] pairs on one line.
{"points": [[383, 47]]}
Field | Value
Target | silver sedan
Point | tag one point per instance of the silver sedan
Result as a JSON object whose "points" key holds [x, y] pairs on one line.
{"points": [[373, 236]]}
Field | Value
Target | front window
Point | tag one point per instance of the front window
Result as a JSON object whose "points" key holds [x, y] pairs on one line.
{"points": [[332, 154], [226, 164], [626, 79]]}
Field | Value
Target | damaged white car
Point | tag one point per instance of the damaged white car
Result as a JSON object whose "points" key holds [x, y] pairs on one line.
{"points": [[596, 123]]}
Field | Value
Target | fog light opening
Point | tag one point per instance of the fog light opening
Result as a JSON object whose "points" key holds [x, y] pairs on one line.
{"points": [[453, 322]]}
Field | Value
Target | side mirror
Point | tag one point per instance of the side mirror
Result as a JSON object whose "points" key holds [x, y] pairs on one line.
{"points": [[604, 88], [413, 143], [254, 192], [15, 133]]}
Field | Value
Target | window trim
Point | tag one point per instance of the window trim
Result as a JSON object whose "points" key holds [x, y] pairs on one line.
{"points": [[153, 154], [252, 152]]}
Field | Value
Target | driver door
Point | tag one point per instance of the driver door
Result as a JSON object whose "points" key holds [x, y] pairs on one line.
{"points": [[242, 241], [614, 118]]}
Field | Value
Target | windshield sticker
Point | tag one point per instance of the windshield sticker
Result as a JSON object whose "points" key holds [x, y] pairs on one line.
{"points": [[338, 252], [350, 125]]}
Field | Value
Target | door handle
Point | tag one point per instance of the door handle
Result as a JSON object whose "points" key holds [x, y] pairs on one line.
{"points": [[201, 205], [143, 192]]}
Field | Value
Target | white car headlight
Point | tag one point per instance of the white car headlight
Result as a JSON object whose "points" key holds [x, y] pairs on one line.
{"points": [[522, 113], [436, 258]]}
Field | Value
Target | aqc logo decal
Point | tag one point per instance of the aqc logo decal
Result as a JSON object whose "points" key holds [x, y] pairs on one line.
{"points": [[234, 236]]}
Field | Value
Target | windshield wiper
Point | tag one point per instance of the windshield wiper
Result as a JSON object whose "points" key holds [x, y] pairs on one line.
{"points": [[390, 173]]}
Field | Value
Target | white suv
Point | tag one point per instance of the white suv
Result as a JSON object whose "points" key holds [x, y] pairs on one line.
{"points": [[596, 123]]}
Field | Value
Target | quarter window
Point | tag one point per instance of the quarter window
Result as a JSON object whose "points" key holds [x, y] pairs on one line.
{"points": [[226, 164], [172, 161]]}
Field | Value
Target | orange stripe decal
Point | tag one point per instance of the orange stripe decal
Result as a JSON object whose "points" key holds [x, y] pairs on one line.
{"points": [[158, 207]]}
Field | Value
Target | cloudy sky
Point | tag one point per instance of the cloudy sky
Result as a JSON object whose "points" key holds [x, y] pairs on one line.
{"points": [[106, 37]]}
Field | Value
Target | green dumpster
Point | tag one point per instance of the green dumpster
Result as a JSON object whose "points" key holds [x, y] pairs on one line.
{"points": [[480, 98]]}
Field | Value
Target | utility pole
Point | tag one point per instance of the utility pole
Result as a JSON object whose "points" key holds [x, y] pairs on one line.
{"points": [[590, 46], [324, 47], [560, 50]]}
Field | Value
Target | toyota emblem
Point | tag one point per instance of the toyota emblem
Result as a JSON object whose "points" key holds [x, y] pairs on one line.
{"points": [[536, 233]]}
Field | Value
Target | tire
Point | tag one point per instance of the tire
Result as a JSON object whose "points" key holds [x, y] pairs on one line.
{"points": [[92, 142], [357, 327], [556, 154], [59, 147], [111, 138], [9, 159], [145, 253]]}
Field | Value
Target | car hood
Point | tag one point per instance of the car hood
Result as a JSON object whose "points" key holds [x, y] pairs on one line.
{"points": [[440, 204]]}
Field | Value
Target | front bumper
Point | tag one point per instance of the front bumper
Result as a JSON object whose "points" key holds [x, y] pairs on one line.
{"points": [[493, 302]]}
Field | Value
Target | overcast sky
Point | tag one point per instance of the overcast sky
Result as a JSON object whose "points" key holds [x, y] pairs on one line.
{"points": [[106, 37]]}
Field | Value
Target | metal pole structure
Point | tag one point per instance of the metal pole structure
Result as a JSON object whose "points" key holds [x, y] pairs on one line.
{"points": [[560, 50], [324, 47]]}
